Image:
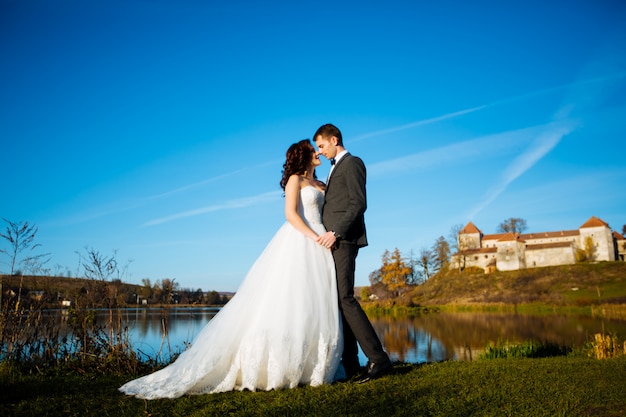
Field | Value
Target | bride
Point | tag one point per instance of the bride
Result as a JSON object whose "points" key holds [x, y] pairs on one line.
{"points": [[282, 328]]}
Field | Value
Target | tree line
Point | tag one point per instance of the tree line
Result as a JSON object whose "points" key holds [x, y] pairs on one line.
{"points": [[101, 283]]}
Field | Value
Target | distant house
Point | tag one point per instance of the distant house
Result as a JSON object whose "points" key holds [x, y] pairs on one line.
{"points": [[512, 251]]}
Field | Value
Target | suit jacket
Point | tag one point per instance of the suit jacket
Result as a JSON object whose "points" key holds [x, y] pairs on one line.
{"points": [[346, 201]]}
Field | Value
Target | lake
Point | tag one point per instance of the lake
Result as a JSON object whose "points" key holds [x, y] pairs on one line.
{"points": [[430, 337]]}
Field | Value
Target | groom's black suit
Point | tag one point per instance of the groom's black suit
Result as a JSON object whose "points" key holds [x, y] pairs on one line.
{"points": [[343, 213]]}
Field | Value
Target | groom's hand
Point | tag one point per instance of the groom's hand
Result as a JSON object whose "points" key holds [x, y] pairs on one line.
{"points": [[327, 240]]}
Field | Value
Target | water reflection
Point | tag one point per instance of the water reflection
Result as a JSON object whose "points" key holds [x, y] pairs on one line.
{"points": [[159, 333], [463, 336], [429, 337]]}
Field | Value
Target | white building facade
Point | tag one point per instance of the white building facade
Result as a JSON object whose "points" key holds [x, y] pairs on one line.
{"points": [[511, 251]]}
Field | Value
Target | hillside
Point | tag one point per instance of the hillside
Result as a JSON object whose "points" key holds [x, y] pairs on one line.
{"points": [[580, 284]]}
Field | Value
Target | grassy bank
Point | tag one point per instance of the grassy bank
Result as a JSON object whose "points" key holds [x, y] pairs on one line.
{"points": [[83, 381], [557, 386], [580, 285]]}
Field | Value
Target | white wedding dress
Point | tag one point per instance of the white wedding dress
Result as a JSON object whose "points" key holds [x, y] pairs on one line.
{"points": [[280, 330]]}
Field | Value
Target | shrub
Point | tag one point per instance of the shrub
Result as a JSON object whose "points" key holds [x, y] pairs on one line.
{"points": [[527, 349], [605, 346]]}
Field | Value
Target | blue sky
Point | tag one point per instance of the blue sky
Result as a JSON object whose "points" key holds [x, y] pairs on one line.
{"points": [[158, 128]]}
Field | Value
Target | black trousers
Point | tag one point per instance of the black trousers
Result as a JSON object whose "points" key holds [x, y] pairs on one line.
{"points": [[356, 325]]}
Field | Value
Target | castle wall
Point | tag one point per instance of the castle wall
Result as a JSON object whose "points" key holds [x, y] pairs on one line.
{"points": [[548, 256], [511, 256], [481, 258], [536, 249]]}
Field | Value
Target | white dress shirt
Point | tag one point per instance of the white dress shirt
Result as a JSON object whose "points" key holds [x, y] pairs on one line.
{"points": [[337, 158]]}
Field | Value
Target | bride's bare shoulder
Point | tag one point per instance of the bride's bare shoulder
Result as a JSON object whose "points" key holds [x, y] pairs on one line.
{"points": [[294, 179]]}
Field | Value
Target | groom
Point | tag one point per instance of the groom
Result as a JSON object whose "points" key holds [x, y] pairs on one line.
{"points": [[342, 216]]}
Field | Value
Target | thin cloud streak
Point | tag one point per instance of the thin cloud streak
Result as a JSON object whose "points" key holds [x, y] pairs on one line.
{"points": [[483, 147], [208, 181], [231, 204], [578, 96], [586, 82], [543, 144], [418, 123], [123, 206]]}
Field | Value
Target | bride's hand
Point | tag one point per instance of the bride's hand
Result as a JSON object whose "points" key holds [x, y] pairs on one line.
{"points": [[327, 240]]}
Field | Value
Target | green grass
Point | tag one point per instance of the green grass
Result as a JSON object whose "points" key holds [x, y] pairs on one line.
{"points": [[555, 386]]}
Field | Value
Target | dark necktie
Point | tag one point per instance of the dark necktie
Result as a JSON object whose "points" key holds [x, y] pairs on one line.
{"points": [[332, 161]]}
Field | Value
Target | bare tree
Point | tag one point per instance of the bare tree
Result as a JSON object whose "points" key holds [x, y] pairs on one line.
{"points": [[512, 224], [426, 262], [104, 277], [416, 276], [101, 267], [453, 237], [168, 290], [21, 239], [455, 247], [441, 254]]}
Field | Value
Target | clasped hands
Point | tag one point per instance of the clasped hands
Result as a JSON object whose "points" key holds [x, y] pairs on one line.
{"points": [[327, 240]]}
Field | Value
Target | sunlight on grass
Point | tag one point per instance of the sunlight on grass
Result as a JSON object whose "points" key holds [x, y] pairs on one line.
{"points": [[605, 346]]}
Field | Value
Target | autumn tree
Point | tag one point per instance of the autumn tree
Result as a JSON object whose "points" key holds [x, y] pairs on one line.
{"points": [[590, 249], [395, 271], [512, 224]]}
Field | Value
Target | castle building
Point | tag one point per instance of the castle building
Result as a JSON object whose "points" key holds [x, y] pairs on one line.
{"points": [[593, 241]]}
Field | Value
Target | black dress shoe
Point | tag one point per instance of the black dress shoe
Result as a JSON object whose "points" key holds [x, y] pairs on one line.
{"points": [[375, 370]]}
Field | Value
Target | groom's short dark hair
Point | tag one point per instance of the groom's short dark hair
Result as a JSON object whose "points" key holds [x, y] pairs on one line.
{"points": [[328, 130]]}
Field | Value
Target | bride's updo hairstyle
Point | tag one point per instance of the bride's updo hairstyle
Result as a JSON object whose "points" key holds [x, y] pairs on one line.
{"points": [[299, 156]]}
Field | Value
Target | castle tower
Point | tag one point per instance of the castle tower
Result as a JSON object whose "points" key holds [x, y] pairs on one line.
{"points": [[511, 252], [601, 235], [469, 237]]}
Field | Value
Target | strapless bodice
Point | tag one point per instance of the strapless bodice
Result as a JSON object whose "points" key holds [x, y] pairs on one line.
{"points": [[310, 204]]}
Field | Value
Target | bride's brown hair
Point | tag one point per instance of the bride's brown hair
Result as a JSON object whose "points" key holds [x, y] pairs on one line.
{"points": [[299, 156]]}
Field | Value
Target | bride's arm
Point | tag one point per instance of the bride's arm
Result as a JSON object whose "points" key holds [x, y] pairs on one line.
{"points": [[292, 192]]}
